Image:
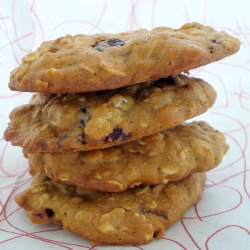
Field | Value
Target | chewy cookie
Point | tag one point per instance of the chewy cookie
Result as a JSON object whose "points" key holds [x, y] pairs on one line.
{"points": [[167, 156], [87, 121], [127, 218], [84, 63]]}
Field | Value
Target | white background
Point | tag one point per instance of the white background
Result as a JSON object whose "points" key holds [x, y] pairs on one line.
{"points": [[221, 219]]}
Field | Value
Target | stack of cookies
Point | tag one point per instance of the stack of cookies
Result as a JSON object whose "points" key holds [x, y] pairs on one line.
{"points": [[111, 156]]}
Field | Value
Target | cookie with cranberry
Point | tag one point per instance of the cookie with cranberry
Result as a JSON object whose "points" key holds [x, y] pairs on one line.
{"points": [[167, 156], [128, 218], [84, 63], [96, 120]]}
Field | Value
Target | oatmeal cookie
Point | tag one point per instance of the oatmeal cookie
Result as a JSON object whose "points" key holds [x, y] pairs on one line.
{"points": [[87, 121], [127, 218], [167, 156], [84, 63]]}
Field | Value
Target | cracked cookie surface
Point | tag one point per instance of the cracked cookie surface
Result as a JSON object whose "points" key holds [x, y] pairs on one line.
{"points": [[84, 63], [127, 218], [168, 156], [87, 121]]}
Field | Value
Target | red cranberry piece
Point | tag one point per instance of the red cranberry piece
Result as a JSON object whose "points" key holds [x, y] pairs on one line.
{"points": [[102, 45], [49, 212], [115, 42], [117, 134]]}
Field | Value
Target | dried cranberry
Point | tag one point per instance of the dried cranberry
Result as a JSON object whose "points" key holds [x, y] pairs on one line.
{"points": [[115, 42], [84, 118], [39, 214], [102, 45], [211, 49], [117, 134], [97, 43], [82, 122], [49, 212], [216, 41], [83, 110], [80, 138]]}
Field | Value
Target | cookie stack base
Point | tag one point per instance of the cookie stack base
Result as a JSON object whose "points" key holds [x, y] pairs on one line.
{"points": [[132, 217]]}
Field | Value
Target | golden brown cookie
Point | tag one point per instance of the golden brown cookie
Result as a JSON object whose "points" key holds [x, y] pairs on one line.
{"points": [[168, 156], [84, 63], [127, 218], [87, 121]]}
